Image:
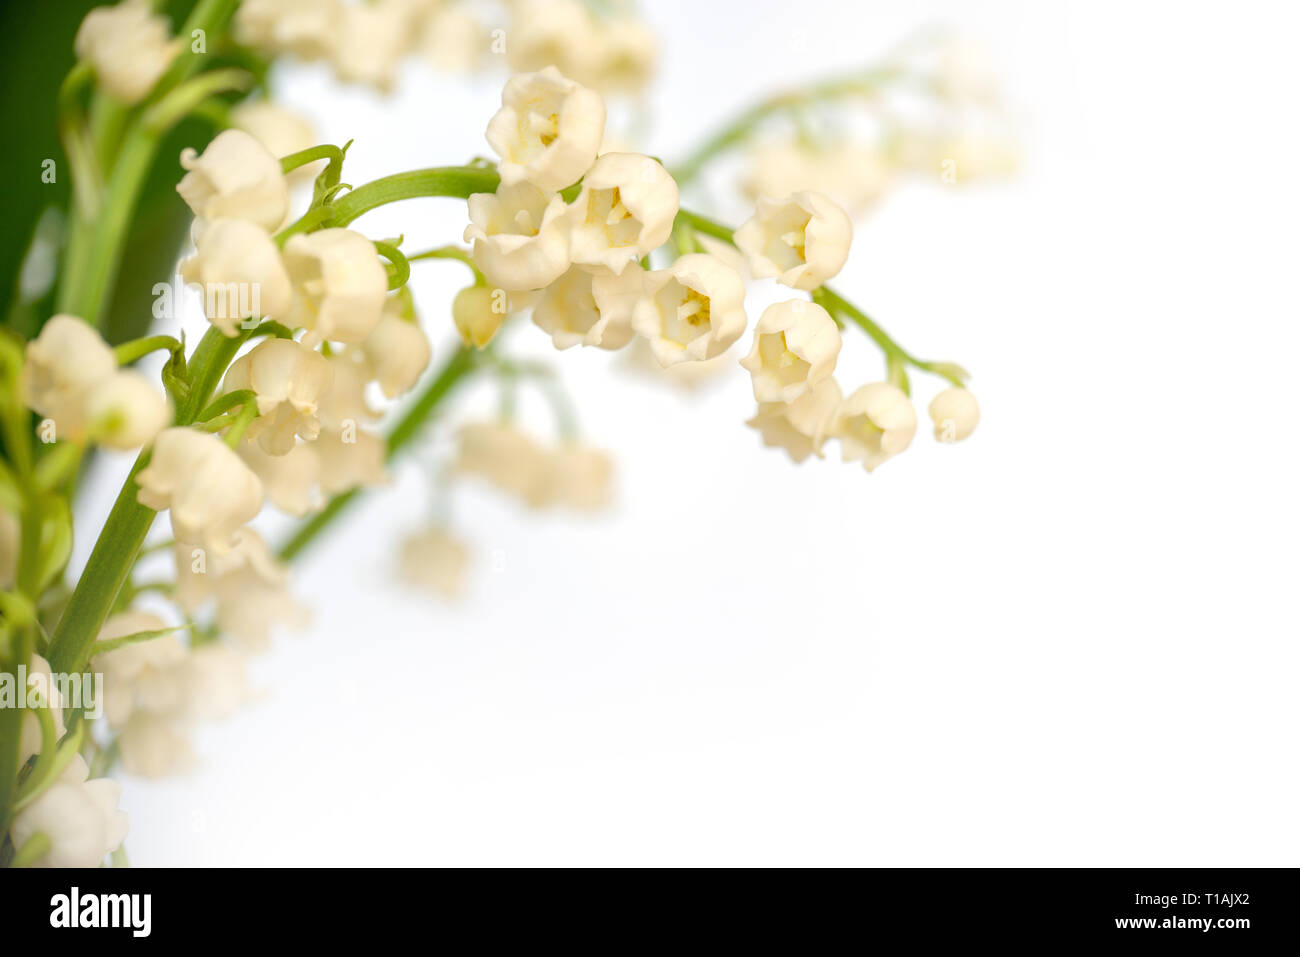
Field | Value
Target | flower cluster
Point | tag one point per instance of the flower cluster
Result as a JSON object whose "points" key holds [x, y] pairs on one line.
{"points": [[313, 336], [365, 43], [586, 261], [932, 110]]}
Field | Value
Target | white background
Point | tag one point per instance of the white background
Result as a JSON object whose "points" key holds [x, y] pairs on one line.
{"points": [[1071, 640]]}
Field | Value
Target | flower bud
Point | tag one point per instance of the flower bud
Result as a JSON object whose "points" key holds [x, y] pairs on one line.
{"points": [[548, 130], [476, 314], [694, 310], [955, 414], [210, 491], [397, 350], [796, 345], [236, 177], [801, 241]]}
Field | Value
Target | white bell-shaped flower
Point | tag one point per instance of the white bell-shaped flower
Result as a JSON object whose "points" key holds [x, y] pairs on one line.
{"points": [[796, 345], [436, 560], [548, 130], [210, 491], [350, 458], [340, 283], [197, 572], [289, 380], [62, 365], [156, 745], [507, 457], [874, 424], [306, 29], [694, 310], [129, 46], [79, 816], [291, 481], [584, 309], [802, 426], [240, 272], [139, 675], [236, 177], [126, 411], [519, 236], [801, 241], [371, 41], [581, 477], [558, 33], [344, 405], [626, 208]]}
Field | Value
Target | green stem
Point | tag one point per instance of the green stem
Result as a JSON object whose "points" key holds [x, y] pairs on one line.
{"points": [[454, 370], [129, 352], [225, 403], [399, 268], [837, 306], [454, 181], [129, 522], [76, 140], [326, 151], [37, 845], [240, 424], [97, 239]]}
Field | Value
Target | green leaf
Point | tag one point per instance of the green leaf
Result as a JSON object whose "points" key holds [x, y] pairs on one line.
{"points": [[104, 647]]}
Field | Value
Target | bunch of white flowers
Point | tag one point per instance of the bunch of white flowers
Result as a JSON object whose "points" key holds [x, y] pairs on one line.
{"points": [[366, 42], [313, 336], [586, 259]]}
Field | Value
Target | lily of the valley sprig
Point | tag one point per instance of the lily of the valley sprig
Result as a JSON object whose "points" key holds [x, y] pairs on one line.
{"points": [[318, 369]]}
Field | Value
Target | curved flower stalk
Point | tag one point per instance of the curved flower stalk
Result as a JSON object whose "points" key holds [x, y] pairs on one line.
{"points": [[274, 407]]}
